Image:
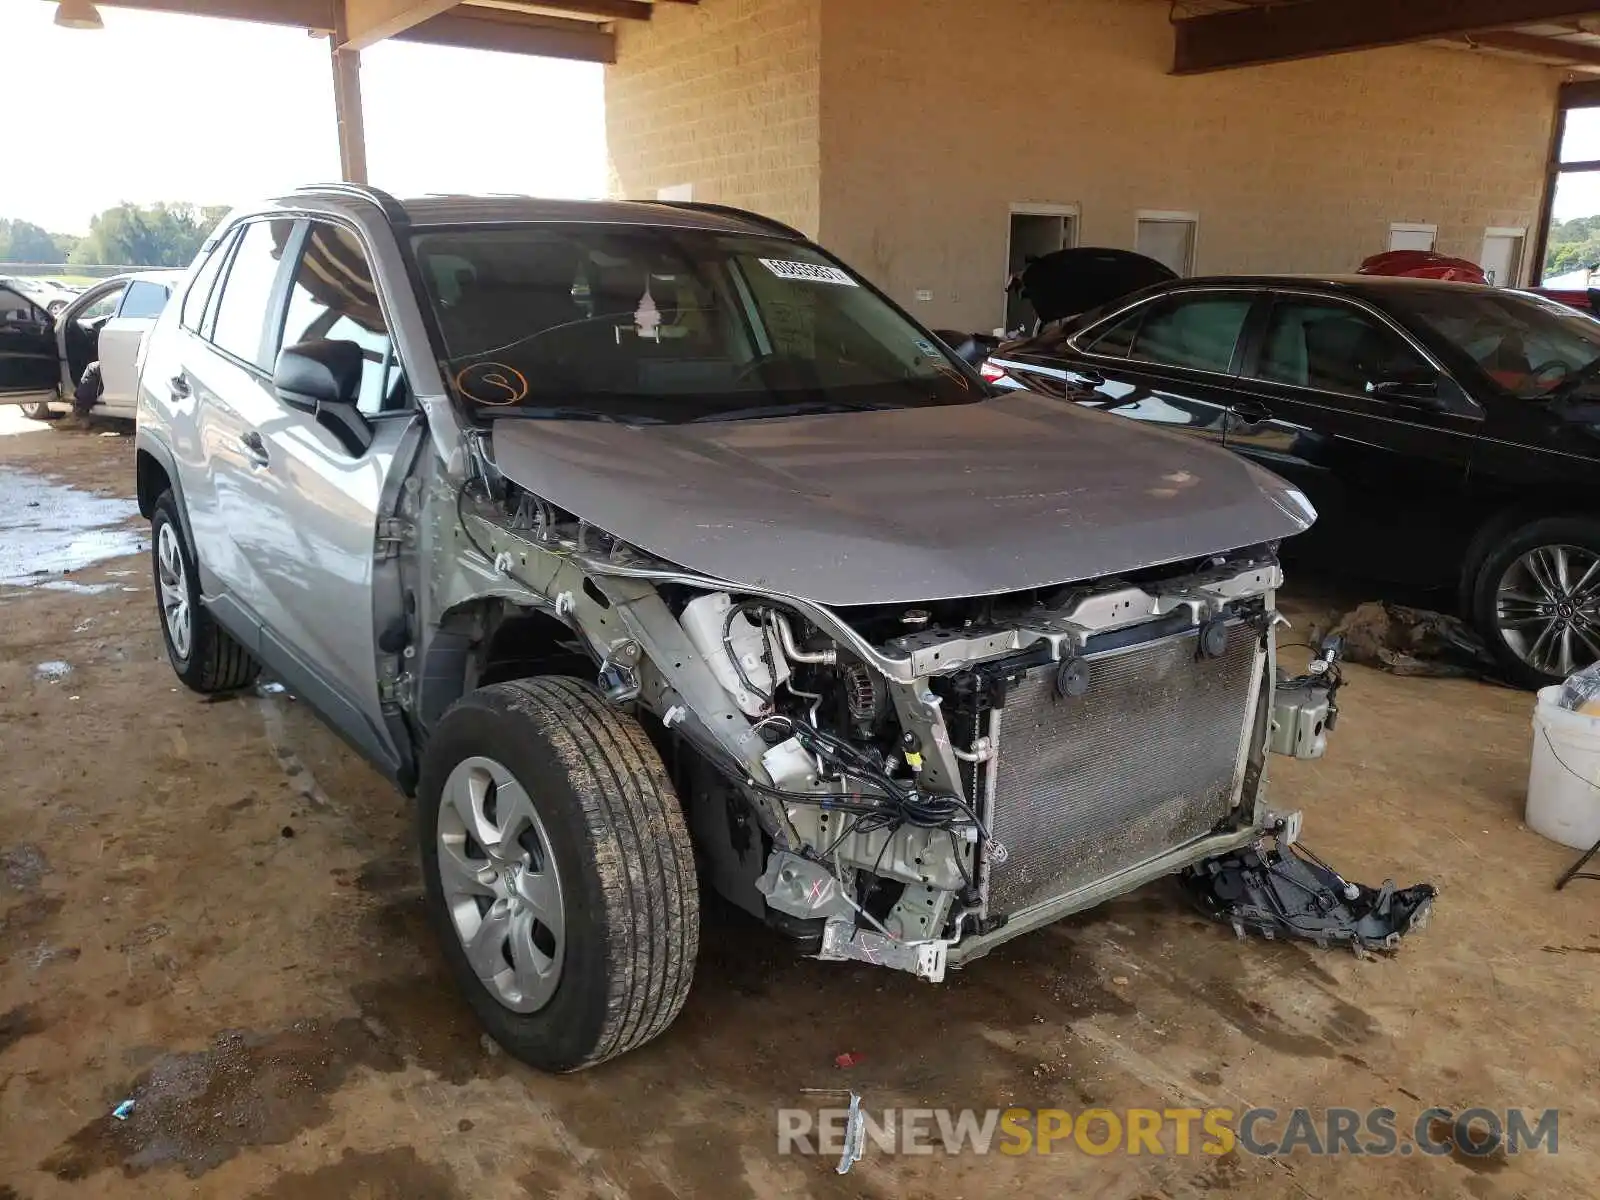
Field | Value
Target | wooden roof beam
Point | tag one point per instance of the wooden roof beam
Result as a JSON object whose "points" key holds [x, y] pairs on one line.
{"points": [[515, 33], [1585, 53], [1285, 32]]}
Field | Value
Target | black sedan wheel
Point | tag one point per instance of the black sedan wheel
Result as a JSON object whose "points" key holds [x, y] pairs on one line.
{"points": [[1537, 599]]}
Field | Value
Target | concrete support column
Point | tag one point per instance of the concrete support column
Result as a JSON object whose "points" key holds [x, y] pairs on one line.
{"points": [[347, 102]]}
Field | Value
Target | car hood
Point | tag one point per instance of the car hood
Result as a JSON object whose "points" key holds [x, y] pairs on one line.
{"points": [[901, 506], [1074, 281]]}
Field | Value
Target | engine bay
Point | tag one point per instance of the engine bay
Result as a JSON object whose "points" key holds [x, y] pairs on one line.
{"points": [[848, 772]]}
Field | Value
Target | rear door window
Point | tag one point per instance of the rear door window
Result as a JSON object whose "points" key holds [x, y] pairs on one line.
{"points": [[242, 312], [1198, 331]]}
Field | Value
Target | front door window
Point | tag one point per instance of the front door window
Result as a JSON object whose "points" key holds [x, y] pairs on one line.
{"points": [[1335, 347]]}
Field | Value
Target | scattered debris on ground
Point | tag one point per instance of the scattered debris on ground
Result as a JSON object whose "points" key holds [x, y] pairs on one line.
{"points": [[1413, 641]]}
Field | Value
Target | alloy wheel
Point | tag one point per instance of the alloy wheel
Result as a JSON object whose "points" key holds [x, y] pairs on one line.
{"points": [[500, 884], [1547, 608], [174, 584]]}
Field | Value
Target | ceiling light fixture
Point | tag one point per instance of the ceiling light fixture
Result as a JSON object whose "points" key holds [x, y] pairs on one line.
{"points": [[78, 14]]}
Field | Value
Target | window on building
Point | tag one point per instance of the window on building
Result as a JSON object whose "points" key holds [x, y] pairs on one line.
{"points": [[1404, 235], [1501, 257], [247, 292], [1036, 230], [1568, 251], [333, 297], [1168, 238], [1334, 347]]}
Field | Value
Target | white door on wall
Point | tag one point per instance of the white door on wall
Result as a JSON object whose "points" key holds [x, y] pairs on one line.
{"points": [[1405, 236], [1036, 230], [1168, 238], [1501, 259]]}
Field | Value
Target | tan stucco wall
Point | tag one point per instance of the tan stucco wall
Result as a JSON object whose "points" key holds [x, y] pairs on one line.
{"points": [[722, 95], [902, 131], [937, 115]]}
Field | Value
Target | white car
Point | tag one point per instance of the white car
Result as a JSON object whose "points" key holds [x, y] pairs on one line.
{"points": [[49, 293], [42, 356]]}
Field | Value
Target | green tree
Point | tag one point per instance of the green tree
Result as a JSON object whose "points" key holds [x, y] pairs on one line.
{"points": [[146, 235], [1572, 245], [25, 242]]}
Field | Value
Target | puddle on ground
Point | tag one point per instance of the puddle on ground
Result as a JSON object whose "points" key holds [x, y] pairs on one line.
{"points": [[52, 671], [76, 588], [52, 528]]}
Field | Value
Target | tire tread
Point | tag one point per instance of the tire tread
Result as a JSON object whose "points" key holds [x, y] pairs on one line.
{"points": [[642, 854]]}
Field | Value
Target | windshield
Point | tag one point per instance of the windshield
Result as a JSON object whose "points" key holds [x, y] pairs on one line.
{"points": [[652, 325], [1532, 347]]}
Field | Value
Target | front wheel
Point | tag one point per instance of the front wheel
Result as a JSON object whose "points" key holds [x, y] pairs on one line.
{"points": [[38, 412], [1536, 600], [559, 872]]}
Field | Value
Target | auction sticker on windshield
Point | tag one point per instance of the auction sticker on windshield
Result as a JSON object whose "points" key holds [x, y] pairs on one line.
{"points": [[808, 272]]}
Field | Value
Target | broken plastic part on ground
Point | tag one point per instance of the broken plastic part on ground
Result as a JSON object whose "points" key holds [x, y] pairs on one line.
{"points": [[1413, 641], [1281, 890]]}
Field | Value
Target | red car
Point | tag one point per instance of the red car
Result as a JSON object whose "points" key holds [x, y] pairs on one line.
{"points": [[1425, 264]]}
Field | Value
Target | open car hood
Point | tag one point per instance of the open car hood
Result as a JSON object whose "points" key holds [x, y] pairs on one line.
{"points": [[909, 505], [1070, 282]]}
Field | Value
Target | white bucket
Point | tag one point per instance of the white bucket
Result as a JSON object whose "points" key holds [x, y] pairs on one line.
{"points": [[1564, 777]]}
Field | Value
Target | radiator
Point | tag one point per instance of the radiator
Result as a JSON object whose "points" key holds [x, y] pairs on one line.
{"points": [[1142, 763]]}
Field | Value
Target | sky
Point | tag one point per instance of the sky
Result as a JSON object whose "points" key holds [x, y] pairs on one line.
{"points": [[1578, 195], [163, 107]]}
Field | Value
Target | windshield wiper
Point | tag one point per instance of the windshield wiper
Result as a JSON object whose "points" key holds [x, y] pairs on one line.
{"points": [[566, 412], [795, 408]]}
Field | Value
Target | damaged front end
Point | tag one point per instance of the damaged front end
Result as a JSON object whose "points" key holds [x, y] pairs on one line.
{"points": [[911, 785]]}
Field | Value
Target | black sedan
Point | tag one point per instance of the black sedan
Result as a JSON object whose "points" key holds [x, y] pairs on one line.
{"points": [[1448, 434]]}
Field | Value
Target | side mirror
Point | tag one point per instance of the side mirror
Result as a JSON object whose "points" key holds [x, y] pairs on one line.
{"points": [[324, 378]]}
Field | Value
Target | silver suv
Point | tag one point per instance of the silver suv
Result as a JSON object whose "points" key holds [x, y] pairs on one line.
{"points": [[648, 544]]}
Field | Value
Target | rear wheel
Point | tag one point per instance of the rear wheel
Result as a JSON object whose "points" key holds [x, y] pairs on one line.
{"points": [[559, 872], [38, 412], [203, 654], [1537, 599]]}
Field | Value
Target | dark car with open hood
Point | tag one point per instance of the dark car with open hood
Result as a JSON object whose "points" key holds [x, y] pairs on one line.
{"points": [[648, 544], [1448, 434]]}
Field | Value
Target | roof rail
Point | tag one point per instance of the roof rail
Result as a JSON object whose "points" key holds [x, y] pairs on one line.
{"points": [[728, 210], [390, 207]]}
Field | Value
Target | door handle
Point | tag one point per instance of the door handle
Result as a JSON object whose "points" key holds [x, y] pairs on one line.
{"points": [[254, 448], [1089, 378], [178, 385], [1250, 412]]}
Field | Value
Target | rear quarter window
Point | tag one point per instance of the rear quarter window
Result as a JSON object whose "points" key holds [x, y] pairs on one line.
{"points": [[195, 300]]}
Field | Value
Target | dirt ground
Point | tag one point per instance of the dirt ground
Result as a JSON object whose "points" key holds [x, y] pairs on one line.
{"points": [[214, 909]]}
